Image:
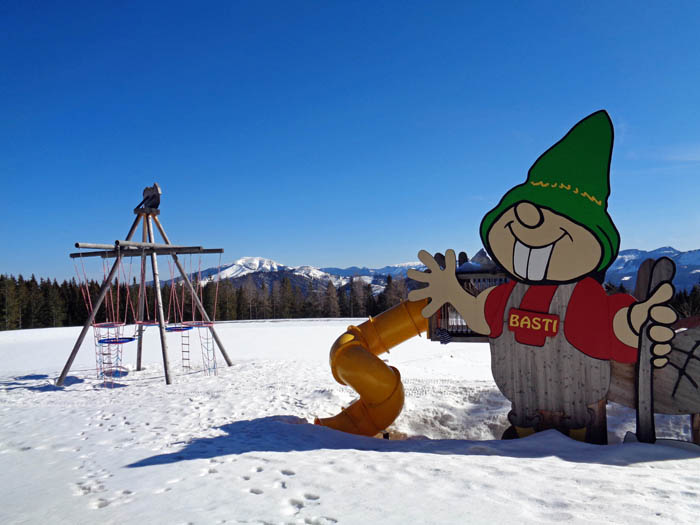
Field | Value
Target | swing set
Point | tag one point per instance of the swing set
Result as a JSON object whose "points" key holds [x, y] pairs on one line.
{"points": [[114, 306]]}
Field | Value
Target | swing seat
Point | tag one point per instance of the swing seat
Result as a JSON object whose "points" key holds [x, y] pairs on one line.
{"points": [[116, 340], [177, 328], [147, 323], [198, 324]]}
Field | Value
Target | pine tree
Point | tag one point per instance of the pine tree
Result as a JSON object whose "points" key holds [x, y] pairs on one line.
{"points": [[344, 300], [312, 304], [394, 293], [10, 304], [226, 308], [264, 302], [286, 299], [370, 301], [358, 299], [275, 300], [57, 307], [242, 304], [251, 294], [331, 307], [209, 296]]}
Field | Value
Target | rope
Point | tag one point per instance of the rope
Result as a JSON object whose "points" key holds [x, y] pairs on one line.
{"points": [[129, 302], [216, 292], [84, 291], [109, 304]]}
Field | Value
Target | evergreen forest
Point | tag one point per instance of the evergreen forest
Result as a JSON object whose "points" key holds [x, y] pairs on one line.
{"points": [[44, 303]]}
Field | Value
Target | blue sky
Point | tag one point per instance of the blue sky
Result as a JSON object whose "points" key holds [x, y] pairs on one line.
{"points": [[332, 133]]}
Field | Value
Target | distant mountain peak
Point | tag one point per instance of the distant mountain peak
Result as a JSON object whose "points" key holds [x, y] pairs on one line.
{"points": [[624, 269]]}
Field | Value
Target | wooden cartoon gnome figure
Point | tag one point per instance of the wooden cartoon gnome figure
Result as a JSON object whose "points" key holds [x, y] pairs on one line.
{"points": [[552, 329]]}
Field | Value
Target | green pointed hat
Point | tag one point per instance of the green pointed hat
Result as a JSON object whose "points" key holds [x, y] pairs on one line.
{"points": [[572, 178]]}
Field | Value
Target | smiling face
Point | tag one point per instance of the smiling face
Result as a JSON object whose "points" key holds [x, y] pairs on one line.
{"points": [[537, 245]]}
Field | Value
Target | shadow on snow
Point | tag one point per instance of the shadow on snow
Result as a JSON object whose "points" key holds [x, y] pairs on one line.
{"points": [[293, 434], [20, 383]]}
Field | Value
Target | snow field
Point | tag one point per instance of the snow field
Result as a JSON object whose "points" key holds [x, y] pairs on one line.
{"points": [[236, 448]]}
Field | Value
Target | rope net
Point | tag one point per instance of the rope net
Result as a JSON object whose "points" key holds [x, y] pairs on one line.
{"points": [[127, 303]]}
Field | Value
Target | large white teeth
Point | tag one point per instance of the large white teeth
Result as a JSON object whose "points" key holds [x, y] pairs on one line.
{"points": [[531, 263], [537, 265], [521, 254]]}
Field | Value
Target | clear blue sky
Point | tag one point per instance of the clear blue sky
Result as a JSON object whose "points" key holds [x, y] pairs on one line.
{"points": [[332, 133]]}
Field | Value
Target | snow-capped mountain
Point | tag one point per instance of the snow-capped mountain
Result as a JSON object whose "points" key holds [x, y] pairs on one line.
{"points": [[396, 270], [261, 271], [254, 265], [624, 269], [247, 265]]}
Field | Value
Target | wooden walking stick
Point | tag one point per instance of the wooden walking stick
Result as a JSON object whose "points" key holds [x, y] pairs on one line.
{"points": [[657, 272]]}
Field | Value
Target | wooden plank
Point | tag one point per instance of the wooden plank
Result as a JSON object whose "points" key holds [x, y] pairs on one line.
{"points": [[136, 252], [554, 385], [135, 244], [668, 398], [94, 246]]}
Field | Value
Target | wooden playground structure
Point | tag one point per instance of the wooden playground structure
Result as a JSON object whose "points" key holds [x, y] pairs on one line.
{"points": [[108, 336]]}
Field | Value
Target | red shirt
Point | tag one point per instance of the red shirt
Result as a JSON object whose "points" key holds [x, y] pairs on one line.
{"points": [[589, 316]]}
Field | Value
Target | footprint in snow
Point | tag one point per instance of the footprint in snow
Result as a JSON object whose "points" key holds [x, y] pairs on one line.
{"points": [[296, 504], [322, 520], [99, 503]]}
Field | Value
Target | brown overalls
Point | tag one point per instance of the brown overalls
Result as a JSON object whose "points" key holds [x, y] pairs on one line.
{"points": [[550, 386]]}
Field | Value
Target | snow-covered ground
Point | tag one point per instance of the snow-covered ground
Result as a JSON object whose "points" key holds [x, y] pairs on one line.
{"points": [[238, 448]]}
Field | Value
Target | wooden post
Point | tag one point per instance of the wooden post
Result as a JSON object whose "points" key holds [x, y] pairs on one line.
{"points": [[159, 303], [199, 304], [132, 230], [142, 299], [662, 270], [695, 428], [103, 291]]}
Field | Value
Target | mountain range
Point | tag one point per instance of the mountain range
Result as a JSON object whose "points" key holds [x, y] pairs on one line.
{"points": [[624, 269], [260, 270]]}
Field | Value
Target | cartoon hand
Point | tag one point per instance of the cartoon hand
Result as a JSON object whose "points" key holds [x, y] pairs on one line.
{"points": [[442, 284], [659, 316]]}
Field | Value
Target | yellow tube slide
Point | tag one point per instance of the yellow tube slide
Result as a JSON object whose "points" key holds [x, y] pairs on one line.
{"points": [[354, 362]]}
